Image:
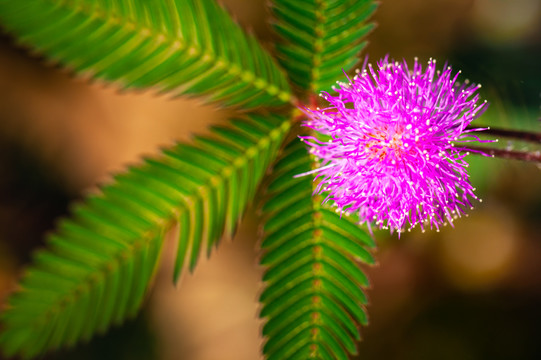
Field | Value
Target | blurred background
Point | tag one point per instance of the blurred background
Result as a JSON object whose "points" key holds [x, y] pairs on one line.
{"points": [[472, 292]]}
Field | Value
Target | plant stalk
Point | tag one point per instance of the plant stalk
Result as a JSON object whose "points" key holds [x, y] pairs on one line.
{"points": [[511, 134], [506, 154]]}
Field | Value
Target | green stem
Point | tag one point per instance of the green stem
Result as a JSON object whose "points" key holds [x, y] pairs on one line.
{"points": [[512, 134], [507, 154]]}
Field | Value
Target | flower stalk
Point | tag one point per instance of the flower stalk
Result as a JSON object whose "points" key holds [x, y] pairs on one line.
{"points": [[534, 156], [513, 134]]}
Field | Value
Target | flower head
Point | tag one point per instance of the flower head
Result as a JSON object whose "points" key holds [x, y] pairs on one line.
{"points": [[389, 145]]}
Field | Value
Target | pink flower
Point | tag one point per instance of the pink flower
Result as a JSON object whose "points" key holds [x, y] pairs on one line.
{"points": [[388, 145]]}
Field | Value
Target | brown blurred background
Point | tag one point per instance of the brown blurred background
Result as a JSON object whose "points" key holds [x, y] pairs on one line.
{"points": [[473, 292]]}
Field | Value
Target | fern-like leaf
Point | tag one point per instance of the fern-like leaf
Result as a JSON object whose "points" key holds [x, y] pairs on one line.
{"points": [[320, 38], [313, 300], [98, 265], [179, 46]]}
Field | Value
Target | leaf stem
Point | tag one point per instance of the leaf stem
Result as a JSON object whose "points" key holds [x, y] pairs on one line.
{"points": [[506, 154], [512, 134]]}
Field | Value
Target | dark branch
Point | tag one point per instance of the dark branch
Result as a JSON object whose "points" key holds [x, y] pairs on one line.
{"points": [[512, 134], [507, 154]]}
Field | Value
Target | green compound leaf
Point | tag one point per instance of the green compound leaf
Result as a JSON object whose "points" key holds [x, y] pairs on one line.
{"points": [[314, 299], [99, 263], [188, 47], [320, 39]]}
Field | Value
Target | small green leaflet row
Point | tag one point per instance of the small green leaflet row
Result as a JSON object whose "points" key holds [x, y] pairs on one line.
{"points": [[313, 299], [179, 47], [98, 264], [320, 39]]}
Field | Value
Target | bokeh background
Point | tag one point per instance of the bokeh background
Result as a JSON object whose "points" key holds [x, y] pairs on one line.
{"points": [[472, 292]]}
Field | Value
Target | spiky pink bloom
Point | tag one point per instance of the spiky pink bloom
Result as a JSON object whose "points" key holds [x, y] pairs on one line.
{"points": [[389, 145]]}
